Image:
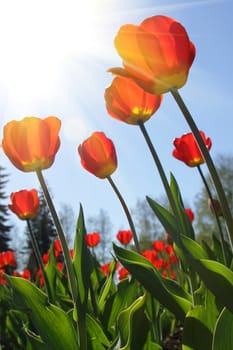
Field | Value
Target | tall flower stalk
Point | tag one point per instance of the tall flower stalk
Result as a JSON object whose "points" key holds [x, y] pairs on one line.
{"points": [[98, 156], [209, 162], [39, 260], [127, 212], [159, 167], [215, 214], [61, 235]]}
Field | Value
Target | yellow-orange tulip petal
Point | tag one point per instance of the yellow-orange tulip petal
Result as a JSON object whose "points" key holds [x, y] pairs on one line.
{"points": [[157, 54], [32, 143], [98, 155], [25, 204], [128, 102]]}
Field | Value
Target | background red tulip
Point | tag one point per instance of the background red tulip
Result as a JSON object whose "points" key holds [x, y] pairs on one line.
{"points": [[25, 204], [98, 155], [187, 150]]}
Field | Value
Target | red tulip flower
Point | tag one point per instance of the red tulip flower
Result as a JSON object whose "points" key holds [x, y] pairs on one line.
{"points": [[157, 54], [25, 204], [57, 247], [159, 245], [105, 268], [124, 236], [92, 239], [187, 150], [190, 214], [129, 103], [123, 273], [7, 258], [32, 143], [150, 255], [98, 155]]}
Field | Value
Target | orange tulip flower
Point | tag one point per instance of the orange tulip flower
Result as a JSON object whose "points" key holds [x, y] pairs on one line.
{"points": [[32, 143], [98, 155], [157, 54], [128, 102], [25, 204], [187, 150]]}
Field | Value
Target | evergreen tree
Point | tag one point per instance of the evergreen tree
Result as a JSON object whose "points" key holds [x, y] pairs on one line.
{"points": [[5, 228]]}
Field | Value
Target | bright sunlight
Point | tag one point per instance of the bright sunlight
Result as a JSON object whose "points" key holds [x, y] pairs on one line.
{"points": [[37, 38]]}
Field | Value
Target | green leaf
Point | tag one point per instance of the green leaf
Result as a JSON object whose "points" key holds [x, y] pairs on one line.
{"points": [[197, 335], [133, 326], [218, 278], [217, 247], [223, 335], [104, 293], [167, 292], [199, 325], [82, 260], [96, 335], [166, 218], [152, 346], [52, 323], [186, 226], [126, 293], [193, 248], [50, 271]]}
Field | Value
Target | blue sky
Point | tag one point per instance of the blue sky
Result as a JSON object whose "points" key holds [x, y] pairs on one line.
{"points": [[54, 57]]}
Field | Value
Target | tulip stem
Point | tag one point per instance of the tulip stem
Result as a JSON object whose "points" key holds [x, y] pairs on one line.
{"points": [[39, 259], [206, 155], [127, 213], [215, 213], [61, 235], [160, 168]]}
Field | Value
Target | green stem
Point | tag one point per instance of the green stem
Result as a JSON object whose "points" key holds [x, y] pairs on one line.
{"points": [[160, 169], [61, 235], [39, 260], [215, 213], [127, 213], [206, 155]]}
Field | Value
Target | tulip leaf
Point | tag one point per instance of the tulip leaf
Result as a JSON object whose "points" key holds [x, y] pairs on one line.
{"points": [[186, 226], [82, 260], [107, 286], [218, 278], [197, 334], [200, 324], [96, 336], [166, 218], [125, 294], [192, 248], [53, 325], [133, 326], [223, 335], [167, 292]]}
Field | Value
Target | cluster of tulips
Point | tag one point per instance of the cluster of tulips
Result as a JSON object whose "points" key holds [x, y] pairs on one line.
{"points": [[178, 281]]}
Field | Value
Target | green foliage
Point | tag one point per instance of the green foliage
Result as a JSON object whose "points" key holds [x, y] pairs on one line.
{"points": [[44, 315], [168, 292], [223, 335]]}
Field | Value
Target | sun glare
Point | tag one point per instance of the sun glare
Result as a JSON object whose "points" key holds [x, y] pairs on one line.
{"points": [[37, 38]]}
